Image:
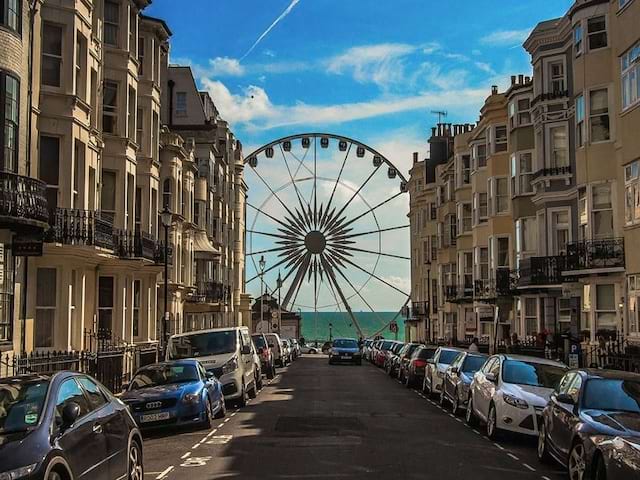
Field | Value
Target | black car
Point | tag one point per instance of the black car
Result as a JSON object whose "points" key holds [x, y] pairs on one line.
{"points": [[591, 425], [65, 426]]}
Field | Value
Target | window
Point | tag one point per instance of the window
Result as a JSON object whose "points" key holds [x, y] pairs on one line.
{"points": [[141, 56], [564, 314], [630, 66], [464, 218], [11, 14], [466, 264], [597, 32], [480, 208], [111, 22], [530, 316], [131, 115], [110, 107], [499, 195], [49, 167], [45, 307], [105, 305], [602, 212], [526, 231], [632, 192], [599, 115], [556, 77], [434, 211], [501, 139], [499, 252], [482, 263], [606, 317], [68, 392], [166, 194], [181, 104], [108, 194], [463, 168], [479, 156], [140, 129], [133, 31], [94, 394], [561, 231], [6, 293], [138, 207], [51, 55], [521, 173], [580, 120], [434, 247], [559, 147], [136, 308], [10, 118], [583, 216], [524, 113], [577, 40], [623, 3], [81, 66]]}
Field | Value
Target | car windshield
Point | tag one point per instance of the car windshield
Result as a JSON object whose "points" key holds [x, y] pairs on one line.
{"points": [[21, 403], [448, 356], [202, 344], [473, 363], [156, 375], [612, 395], [345, 343], [531, 373], [410, 349], [397, 347], [426, 353], [386, 345], [259, 341]]}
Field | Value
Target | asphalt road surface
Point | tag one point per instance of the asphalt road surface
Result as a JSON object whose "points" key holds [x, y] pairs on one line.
{"points": [[345, 422]]}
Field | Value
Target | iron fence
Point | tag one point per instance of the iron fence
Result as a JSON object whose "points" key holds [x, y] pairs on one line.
{"points": [[22, 197], [80, 227]]}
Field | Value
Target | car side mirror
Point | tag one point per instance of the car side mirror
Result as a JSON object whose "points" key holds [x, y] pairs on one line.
{"points": [[491, 377], [125, 386], [246, 350], [455, 371], [70, 414], [565, 398], [210, 375]]}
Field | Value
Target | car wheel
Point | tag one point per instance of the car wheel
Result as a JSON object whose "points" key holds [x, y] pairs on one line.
{"points": [[242, 401], [600, 469], [136, 469], [54, 476], [271, 372], [543, 447], [577, 465], [208, 412], [222, 412], [259, 383], [253, 393], [470, 416], [455, 404], [492, 423]]}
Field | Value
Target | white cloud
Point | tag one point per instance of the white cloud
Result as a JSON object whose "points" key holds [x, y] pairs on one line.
{"points": [[381, 64], [431, 47], [506, 37], [485, 67], [225, 66]]}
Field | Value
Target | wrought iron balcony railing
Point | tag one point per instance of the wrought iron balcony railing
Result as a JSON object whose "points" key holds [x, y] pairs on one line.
{"points": [[135, 245], [553, 172], [450, 293], [209, 292], [80, 227], [419, 309], [543, 97], [535, 271], [502, 285], [596, 254], [23, 198]]}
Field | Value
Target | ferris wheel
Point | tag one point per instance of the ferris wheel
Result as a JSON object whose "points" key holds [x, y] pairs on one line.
{"points": [[327, 227]]}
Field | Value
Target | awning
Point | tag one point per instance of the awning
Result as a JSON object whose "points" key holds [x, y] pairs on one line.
{"points": [[203, 249]]}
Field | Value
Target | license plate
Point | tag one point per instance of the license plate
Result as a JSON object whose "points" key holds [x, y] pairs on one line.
{"points": [[345, 357], [154, 417]]}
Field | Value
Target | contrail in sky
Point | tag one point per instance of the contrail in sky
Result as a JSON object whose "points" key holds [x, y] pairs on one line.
{"points": [[271, 27]]}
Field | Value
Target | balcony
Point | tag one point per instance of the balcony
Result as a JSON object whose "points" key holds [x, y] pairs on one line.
{"points": [[490, 289], [553, 172], [22, 200], [419, 309], [209, 292], [538, 271], [545, 97], [459, 293], [451, 293], [80, 227], [606, 254]]}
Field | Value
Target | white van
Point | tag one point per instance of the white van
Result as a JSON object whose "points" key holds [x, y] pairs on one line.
{"points": [[226, 352], [277, 348]]}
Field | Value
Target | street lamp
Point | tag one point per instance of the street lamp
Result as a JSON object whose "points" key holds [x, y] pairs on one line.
{"points": [[167, 217], [279, 282], [330, 332], [262, 263]]}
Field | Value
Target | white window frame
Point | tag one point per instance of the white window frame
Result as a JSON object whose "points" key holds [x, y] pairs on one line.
{"points": [[592, 210], [54, 57], [578, 40], [592, 115], [560, 79], [114, 24], [519, 177], [590, 34], [597, 310], [632, 193], [623, 3], [633, 304], [552, 227], [550, 161], [525, 317], [464, 220], [581, 112], [630, 73], [521, 252], [111, 110], [503, 144]]}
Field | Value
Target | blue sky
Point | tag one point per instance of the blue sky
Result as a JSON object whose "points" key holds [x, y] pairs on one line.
{"points": [[372, 70]]}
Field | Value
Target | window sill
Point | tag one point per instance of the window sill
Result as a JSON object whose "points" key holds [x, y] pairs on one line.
{"points": [[630, 108], [11, 31], [624, 9]]}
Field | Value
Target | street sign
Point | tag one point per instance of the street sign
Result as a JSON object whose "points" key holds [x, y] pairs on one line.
{"points": [[574, 360]]}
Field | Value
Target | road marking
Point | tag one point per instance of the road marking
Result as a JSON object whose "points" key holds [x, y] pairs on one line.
{"points": [[477, 432], [458, 420], [545, 478], [528, 467], [233, 414], [226, 420], [221, 425], [186, 455], [165, 473], [513, 456], [499, 446], [211, 432], [452, 416]]}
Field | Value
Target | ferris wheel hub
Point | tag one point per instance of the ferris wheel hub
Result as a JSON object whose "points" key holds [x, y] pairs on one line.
{"points": [[315, 241]]}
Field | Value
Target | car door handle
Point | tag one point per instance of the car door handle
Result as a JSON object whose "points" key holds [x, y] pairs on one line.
{"points": [[97, 428]]}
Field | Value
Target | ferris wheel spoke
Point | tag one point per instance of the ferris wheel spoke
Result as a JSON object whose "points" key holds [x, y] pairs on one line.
{"points": [[381, 280], [372, 252], [270, 250], [295, 186], [274, 235], [372, 209], [335, 185], [297, 281], [287, 227], [301, 163], [371, 232], [281, 262]]}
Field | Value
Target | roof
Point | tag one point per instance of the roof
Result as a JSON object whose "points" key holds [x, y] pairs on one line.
{"points": [[526, 358], [610, 374], [28, 377], [161, 22]]}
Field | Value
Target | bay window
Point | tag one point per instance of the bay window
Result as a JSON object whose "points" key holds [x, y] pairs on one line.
{"points": [[465, 263], [561, 231], [580, 117], [11, 14], [526, 235], [51, 55], [498, 195], [599, 115], [112, 22], [559, 147], [521, 173], [10, 118], [480, 208], [630, 67], [597, 32], [501, 139], [556, 79], [463, 168], [464, 218], [110, 107], [481, 263], [602, 211], [479, 155], [632, 193]]}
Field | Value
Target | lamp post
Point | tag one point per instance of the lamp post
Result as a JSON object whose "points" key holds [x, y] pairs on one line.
{"points": [[330, 332], [166, 217], [262, 263], [279, 281], [429, 325]]}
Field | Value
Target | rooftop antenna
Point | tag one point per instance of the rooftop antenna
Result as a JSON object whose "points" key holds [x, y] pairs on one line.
{"points": [[441, 114]]}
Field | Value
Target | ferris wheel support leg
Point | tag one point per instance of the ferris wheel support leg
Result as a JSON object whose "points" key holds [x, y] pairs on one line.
{"points": [[334, 281]]}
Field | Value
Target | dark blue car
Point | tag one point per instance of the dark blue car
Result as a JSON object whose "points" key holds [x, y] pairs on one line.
{"points": [[179, 393], [345, 350]]}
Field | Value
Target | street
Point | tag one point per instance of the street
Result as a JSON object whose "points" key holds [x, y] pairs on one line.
{"points": [[319, 421]]}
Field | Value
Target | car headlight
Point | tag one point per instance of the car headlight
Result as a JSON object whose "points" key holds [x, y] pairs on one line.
{"points": [[191, 398], [334, 351], [515, 402], [230, 366], [18, 472]]}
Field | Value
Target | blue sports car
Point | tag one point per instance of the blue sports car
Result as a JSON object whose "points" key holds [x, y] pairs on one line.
{"points": [[176, 393]]}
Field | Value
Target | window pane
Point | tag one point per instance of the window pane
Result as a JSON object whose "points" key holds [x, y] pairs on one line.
{"points": [[105, 294], [46, 291], [96, 397], [108, 190], [50, 160], [605, 297], [69, 392]]}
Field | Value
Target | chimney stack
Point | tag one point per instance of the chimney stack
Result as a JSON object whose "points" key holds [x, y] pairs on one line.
{"points": [[415, 157], [494, 90], [527, 79], [513, 79], [433, 131], [520, 79]]}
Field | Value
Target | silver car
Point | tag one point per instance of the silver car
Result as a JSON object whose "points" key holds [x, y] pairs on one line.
{"points": [[436, 366], [458, 377]]}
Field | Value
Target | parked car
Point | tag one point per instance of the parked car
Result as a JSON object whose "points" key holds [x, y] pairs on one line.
{"points": [[63, 426], [326, 347], [286, 352], [312, 349], [257, 371], [345, 350], [404, 357], [414, 374], [436, 366], [382, 352], [510, 391], [458, 377], [391, 363], [277, 348], [177, 393], [591, 425], [267, 360], [226, 352], [296, 348]]}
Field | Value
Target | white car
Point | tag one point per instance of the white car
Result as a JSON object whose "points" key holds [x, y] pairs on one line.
{"points": [[509, 392], [436, 368], [309, 349]]}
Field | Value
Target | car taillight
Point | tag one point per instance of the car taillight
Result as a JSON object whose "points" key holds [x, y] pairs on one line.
{"points": [[420, 363]]}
